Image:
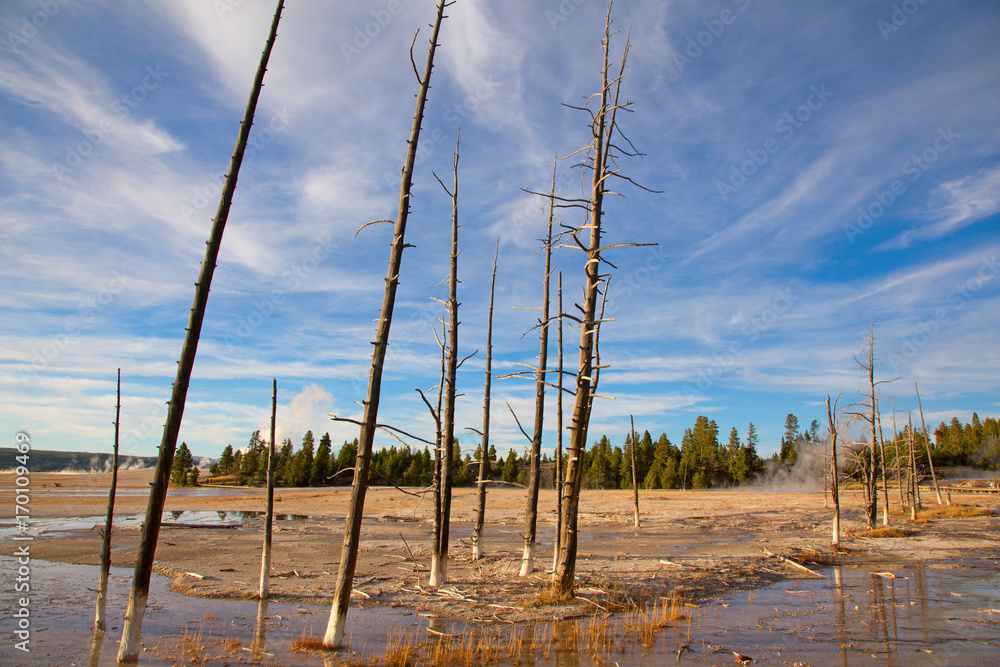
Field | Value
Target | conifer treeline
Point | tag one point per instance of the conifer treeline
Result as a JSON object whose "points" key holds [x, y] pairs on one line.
{"points": [[701, 461]]}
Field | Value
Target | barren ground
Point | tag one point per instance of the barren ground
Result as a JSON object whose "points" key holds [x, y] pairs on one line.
{"points": [[713, 542]]}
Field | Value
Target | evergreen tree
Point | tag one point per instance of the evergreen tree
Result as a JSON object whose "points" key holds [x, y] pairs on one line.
{"points": [[509, 473], [492, 466], [738, 459], [301, 464], [183, 463], [664, 471], [789, 442], [755, 463], [321, 463], [281, 462], [346, 460], [226, 461]]}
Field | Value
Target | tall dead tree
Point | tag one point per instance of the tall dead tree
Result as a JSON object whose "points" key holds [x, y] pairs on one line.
{"points": [[484, 448], [102, 585], [927, 443], [601, 154], [265, 559], [557, 475], [866, 411], [635, 475], [914, 484], [132, 628], [535, 469], [899, 461], [442, 510], [352, 530], [834, 473], [885, 484]]}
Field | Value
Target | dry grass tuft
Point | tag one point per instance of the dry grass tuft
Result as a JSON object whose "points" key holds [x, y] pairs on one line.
{"points": [[400, 649], [548, 596], [307, 642], [886, 531], [956, 511]]}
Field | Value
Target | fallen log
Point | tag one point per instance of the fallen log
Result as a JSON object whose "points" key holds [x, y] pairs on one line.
{"points": [[803, 568]]}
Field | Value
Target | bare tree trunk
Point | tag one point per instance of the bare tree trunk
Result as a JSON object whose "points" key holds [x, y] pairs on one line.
{"points": [[484, 449], [867, 411], [603, 127], [534, 475], [895, 440], [885, 485], [914, 483], [132, 628], [826, 480], [871, 507], [834, 474], [102, 586], [927, 442], [439, 559], [352, 530], [557, 482], [635, 477], [265, 560]]}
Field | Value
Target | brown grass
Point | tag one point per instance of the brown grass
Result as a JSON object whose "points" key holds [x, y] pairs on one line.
{"points": [[956, 511], [400, 649], [308, 642], [886, 531]]}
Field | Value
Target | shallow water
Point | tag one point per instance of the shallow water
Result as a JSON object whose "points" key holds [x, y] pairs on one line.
{"points": [[924, 615], [201, 519]]}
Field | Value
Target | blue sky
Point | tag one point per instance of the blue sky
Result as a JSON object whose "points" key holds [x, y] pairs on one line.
{"points": [[823, 166]]}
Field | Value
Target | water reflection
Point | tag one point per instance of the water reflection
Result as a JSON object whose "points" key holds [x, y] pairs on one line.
{"points": [[95, 648], [260, 631], [924, 615]]}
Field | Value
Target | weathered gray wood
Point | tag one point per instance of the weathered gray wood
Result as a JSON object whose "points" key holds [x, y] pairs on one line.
{"points": [[334, 635], [439, 558], [557, 477], [484, 449], [132, 628], [534, 472], [635, 476], [265, 559], [927, 442], [602, 127], [102, 585], [834, 473]]}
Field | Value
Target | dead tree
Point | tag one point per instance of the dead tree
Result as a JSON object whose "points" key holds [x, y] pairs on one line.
{"points": [[132, 628], [442, 510], [534, 474], [635, 476], [601, 155], [265, 560], [914, 483], [885, 485], [102, 586], [558, 473], [834, 473], [484, 449], [899, 462], [927, 443], [866, 411], [352, 530]]}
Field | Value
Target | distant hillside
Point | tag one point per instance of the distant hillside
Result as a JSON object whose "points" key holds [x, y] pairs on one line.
{"points": [[43, 460]]}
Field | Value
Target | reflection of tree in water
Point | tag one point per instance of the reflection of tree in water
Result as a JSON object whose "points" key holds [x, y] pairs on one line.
{"points": [[880, 624], [260, 631], [95, 648], [566, 637], [838, 580]]}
